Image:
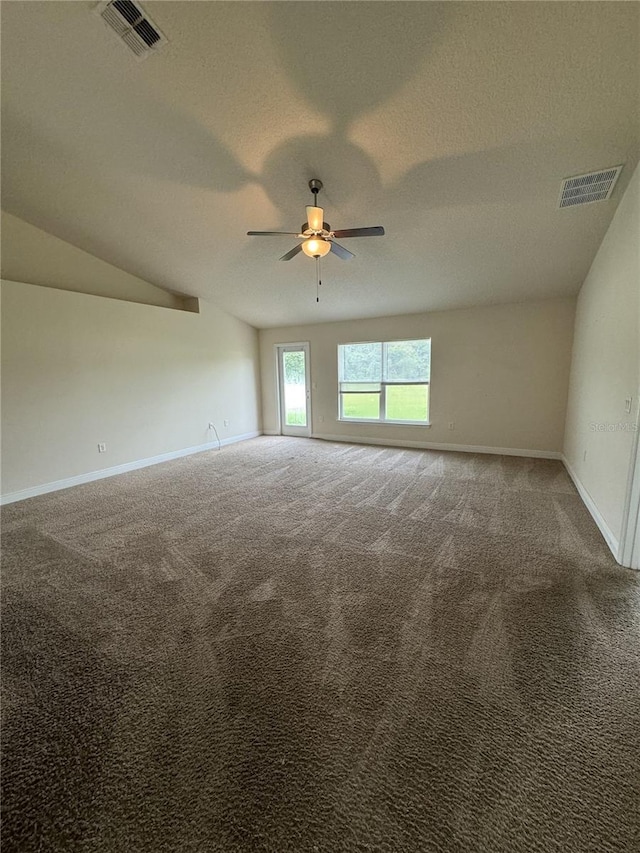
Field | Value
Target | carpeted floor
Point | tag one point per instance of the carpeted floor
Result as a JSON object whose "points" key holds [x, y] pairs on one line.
{"points": [[296, 646]]}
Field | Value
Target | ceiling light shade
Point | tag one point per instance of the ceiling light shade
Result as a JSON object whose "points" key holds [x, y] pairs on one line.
{"points": [[316, 248], [315, 215]]}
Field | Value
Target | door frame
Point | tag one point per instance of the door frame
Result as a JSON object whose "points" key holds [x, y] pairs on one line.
{"points": [[629, 546], [295, 346]]}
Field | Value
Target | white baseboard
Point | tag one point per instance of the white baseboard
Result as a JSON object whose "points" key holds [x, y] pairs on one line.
{"points": [[588, 501], [430, 445], [78, 480]]}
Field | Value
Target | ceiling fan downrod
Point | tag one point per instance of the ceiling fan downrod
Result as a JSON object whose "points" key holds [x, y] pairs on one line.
{"points": [[315, 185]]}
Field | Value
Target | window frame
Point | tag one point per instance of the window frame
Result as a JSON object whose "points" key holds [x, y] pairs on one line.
{"points": [[383, 389]]}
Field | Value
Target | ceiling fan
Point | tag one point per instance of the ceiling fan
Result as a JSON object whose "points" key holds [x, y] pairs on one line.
{"points": [[317, 235]]}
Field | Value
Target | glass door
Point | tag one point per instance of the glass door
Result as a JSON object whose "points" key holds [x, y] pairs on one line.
{"points": [[293, 385]]}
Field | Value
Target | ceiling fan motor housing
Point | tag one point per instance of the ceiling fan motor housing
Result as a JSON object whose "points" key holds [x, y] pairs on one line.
{"points": [[305, 227]]}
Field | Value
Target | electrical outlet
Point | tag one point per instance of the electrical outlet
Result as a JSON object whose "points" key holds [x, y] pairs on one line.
{"points": [[452, 424], [627, 405], [211, 425], [226, 423], [102, 447]]}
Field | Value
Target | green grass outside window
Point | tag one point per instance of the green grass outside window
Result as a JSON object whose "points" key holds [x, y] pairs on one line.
{"points": [[404, 403]]}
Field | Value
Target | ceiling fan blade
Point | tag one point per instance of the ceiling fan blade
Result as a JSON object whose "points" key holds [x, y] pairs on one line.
{"points": [[341, 252], [376, 231], [314, 217], [292, 253], [270, 233]]}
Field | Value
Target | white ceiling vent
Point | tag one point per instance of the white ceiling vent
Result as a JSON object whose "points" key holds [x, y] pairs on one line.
{"points": [[132, 25], [583, 189]]}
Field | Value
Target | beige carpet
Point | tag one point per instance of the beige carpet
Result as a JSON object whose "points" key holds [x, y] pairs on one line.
{"points": [[296, 646]]}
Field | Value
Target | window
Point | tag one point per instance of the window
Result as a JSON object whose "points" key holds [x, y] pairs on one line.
{"points": [[386, 382]]}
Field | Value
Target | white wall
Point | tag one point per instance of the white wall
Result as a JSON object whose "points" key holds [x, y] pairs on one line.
{"points": [[499, 373], [606, 366], [37, 257], [80, 369]]}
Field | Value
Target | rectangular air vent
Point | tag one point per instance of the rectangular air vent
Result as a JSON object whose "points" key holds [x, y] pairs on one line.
{"points": [[583, 189], [132, 25]]}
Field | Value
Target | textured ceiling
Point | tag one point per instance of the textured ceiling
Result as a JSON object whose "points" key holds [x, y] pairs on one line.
{"points": [[451, 124]]}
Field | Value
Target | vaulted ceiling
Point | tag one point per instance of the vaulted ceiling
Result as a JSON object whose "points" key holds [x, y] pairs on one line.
{"points": [[451, 124]]}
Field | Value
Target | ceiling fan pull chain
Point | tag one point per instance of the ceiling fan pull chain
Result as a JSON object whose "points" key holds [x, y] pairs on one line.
{"points": [[318, 282]]}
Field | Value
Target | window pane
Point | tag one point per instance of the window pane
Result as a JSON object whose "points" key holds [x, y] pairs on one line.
{"points": [[407, 361], [295, 391], [360, 362], [362, 406], [407, 402]]}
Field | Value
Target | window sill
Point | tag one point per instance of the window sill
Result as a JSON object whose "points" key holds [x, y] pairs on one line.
{"points": [[382, 423]]}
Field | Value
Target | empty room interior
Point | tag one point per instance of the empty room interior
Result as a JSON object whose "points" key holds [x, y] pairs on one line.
{"points": [[320, 397]]}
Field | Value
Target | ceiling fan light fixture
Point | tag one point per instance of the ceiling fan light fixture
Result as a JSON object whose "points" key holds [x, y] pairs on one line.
{"points": [[315, 215], [316, 247]]}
